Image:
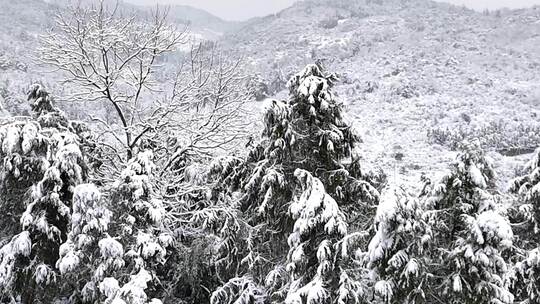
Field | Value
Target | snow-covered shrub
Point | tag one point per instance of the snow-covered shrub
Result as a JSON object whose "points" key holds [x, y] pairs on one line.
{"points": [[258, 87], [507, 138], [329, 23], [403, 88]]}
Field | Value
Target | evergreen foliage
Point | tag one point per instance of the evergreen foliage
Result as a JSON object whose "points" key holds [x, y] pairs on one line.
{"points": [[528, 188], [470, 233], [50, 153], [397, 250], [298, 221], [297, 179], [526, 271]]}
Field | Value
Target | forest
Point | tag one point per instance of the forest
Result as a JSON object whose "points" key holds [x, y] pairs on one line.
{"points": [[171, 190]]}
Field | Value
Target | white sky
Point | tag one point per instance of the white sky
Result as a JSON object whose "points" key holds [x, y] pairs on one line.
{"points": [[245, 9]]}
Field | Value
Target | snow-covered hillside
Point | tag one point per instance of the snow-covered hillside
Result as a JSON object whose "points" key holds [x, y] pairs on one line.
{"points": [[410, 69]]}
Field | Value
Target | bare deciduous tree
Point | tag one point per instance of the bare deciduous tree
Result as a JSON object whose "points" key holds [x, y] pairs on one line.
{"points": [[114, 61]]}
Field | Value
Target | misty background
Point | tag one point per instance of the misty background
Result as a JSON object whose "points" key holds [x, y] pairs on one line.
{"points": [[240, 10]]}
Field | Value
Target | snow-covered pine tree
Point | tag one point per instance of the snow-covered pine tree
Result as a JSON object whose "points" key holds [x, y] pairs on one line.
{"points": [[27, 261], [309, 132], [43, 109], [48, 116], [526, 278], [469, 233], [116, 261], [139, 231], [478, 266], [26, 154], [242, 290], [306, 132], [89, 255], [319, 225], [396, 251], [24, 149], [462, 190], [528, 188]]}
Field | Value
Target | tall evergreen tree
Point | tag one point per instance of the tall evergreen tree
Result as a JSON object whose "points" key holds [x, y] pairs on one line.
{"points": [[469, 233], [526, 279], [396, 252], [89, 254], [27, 262], [117, 261], [26, 154], [140, 230], [319, 225], [528, 189], [305, 133]]}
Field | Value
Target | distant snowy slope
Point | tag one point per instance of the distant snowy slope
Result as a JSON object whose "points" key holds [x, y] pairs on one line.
{"points": [[21, 22], [410, 70], [199, 21]]}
